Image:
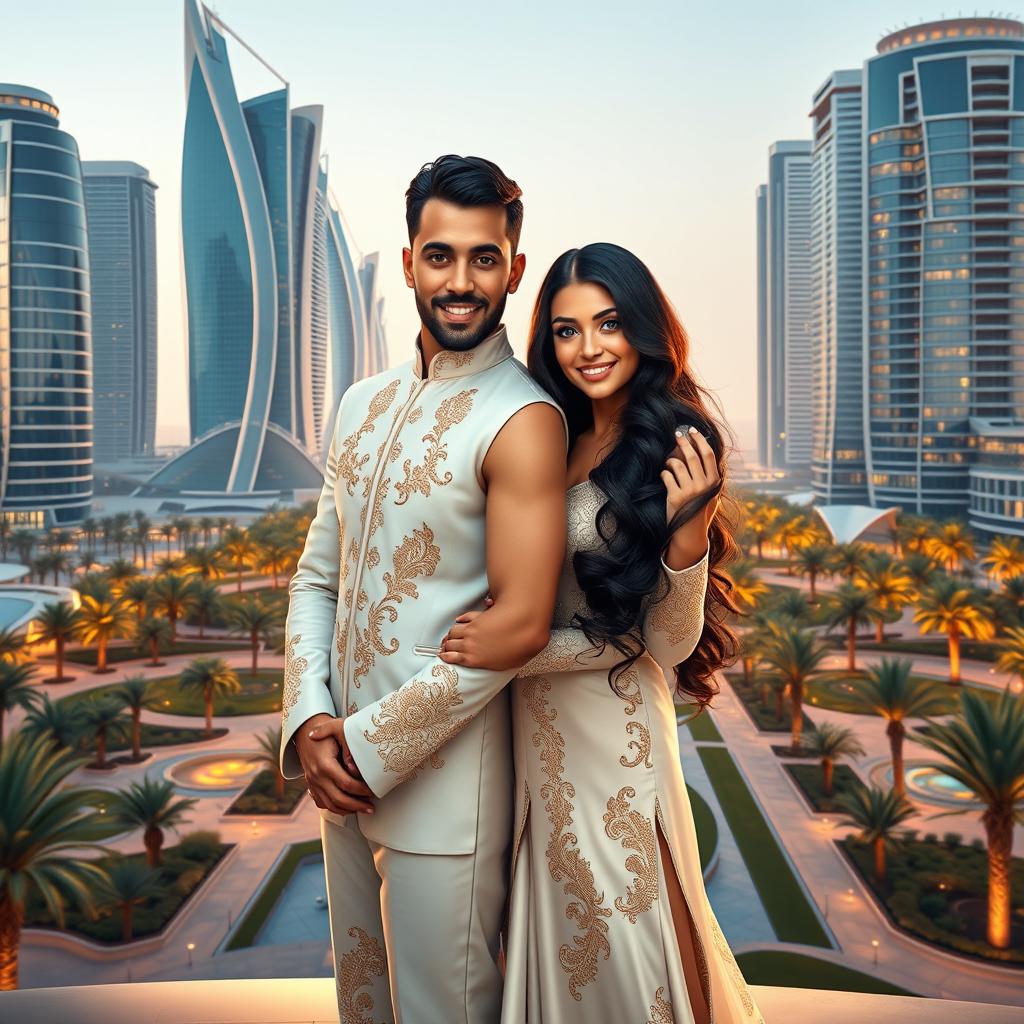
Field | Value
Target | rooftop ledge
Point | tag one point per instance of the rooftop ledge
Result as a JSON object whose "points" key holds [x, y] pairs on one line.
{"points": [[312, 1001]]}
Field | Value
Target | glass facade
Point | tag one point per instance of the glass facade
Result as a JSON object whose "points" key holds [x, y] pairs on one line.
{"points": [[944, 303], [120, 203], [45, 322], [837, 464], [259, 281]]}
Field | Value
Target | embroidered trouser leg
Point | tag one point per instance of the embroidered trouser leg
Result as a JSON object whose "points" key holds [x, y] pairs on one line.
{"points": [[439, 916], [357, 932]]}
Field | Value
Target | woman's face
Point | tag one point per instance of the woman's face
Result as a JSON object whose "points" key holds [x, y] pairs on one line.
{"points": [[589, 344]]}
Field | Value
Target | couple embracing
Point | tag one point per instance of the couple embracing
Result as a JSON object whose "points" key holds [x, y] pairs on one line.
{"points": [[511, 577]]}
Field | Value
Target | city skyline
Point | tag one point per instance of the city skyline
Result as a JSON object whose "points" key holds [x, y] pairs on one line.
{"points": [[579, 186]]}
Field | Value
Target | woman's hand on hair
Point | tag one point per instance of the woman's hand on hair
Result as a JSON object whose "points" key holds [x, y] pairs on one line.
{"points": [[690, 471]]}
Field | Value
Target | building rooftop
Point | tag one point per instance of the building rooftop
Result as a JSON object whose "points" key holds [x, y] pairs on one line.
{"points": [[951, 28], [312, 1001]]}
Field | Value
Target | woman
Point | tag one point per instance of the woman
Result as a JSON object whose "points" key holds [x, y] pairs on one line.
{"points": [[609, 920]]}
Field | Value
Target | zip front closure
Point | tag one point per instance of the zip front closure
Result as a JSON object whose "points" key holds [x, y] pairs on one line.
{"points": [[364, 536]]}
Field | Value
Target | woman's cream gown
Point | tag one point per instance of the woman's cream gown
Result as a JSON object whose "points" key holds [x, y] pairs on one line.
{"points": [[591, 937]]}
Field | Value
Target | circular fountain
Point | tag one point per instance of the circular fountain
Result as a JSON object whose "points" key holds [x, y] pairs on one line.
{"points": [[224, 771], [928, 784]]}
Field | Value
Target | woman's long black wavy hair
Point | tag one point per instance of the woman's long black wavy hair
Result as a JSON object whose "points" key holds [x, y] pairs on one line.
{"points": [[618, 577]]}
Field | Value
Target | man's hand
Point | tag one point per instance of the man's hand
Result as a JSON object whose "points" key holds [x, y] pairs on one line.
{"points": [[334, 787]]}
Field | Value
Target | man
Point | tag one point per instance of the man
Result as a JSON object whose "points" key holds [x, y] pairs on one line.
{"points": [[445, 480]]}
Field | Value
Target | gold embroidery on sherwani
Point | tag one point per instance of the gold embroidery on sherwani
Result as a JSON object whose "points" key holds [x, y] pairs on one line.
{"points": [[416, 556], [642, 746], [457, 359], [415, 721], [734, 968], [661, 1009], [565, 862], [341, 641], [352, 708], [636, 833], [449, 413], [293, 669], [356, 969], [350, 462]]}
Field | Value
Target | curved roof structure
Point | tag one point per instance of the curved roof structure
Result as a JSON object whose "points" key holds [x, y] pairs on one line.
{"points": [[847, 522]]}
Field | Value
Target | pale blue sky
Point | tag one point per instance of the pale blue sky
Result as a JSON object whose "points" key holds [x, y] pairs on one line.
{"points": [[642, 123]]}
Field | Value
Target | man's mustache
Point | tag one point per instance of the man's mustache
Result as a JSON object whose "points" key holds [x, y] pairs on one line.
{"points": [[457, 300]]}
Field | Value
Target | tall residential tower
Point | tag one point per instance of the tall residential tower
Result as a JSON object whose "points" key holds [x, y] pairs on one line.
{"points": [[120, 202]]}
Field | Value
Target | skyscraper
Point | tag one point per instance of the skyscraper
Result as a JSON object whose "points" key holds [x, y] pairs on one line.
{"points": [[259, 283], [763, 430], [837, 209], [120, 203], [944, 302], [45, 360], [788, 318]]}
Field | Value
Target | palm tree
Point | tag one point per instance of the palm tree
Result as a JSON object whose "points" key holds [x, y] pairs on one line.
{"points": [[795, 533], [150, 805], [206, 525], [761, 523], [152, 634], [183, 528], [269, 754], [132, 694], [255, 620], [140, 533], [210, 677], [1005, 558], [240, 551], [12, 645], [136, 593], [96, 584], [878, 813], [101, 717], [851, 606], [168, 532], [207, 605], [56, 720], [951, 546], [5, 537], [1008, 603], [120, 572], [811, 561], [43, 821], [890, 587], [272, 557], [849, 559], [206, 562], [57, 623], [16, 689], [100, 621], [830, 742], [797, 655], [790, 604], [889, 690], [175, 596], [982, 747], [23, 541], [747, 587], [1011, 660], [950, 607], [129, 884], [87, 560]]}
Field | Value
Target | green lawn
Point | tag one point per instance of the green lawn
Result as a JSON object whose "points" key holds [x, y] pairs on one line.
{"points": [[125, 652], [260, 695], [259, 911], [938, 646], [808, 778], [796, 970], [705, 825], [788, 909], [260, 797], [703, 728]]}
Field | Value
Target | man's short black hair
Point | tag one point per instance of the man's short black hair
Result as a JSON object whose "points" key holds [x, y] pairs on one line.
{"points": [[465, 181]]}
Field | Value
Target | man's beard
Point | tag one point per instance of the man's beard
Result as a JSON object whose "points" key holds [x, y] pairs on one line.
{"points": [[454, 337]]}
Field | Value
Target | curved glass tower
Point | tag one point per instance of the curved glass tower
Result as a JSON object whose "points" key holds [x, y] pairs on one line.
{"points": [[944, 250], [45, 352], [259, 281]]}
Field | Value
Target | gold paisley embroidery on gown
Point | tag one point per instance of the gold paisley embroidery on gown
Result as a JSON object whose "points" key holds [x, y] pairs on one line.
{"points": [[416, 720], [450, 412], [626, 685], [722, 945], [661, 1009], [356, 969], [350, 462], [565, 862], [416, 556], [668, 615], [635, 833], [642, 746], [293, 669]]}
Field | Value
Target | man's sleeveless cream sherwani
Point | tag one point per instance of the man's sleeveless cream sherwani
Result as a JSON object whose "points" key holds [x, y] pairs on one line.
{"points": [[397, 551], [591, 936]]}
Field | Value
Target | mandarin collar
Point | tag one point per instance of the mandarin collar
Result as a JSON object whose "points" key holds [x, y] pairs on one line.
{"points": [[447, 365]]}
